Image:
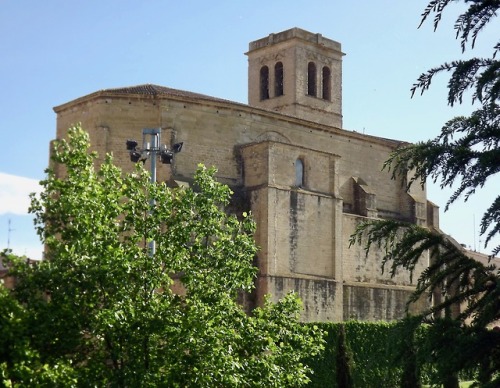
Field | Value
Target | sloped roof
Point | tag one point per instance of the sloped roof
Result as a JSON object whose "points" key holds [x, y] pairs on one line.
{"points": [[148, 90], [157, 90]]}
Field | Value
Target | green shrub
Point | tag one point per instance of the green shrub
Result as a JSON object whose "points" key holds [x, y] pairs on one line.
{"points": [[393, 354], [370, 344], [344, 364]]}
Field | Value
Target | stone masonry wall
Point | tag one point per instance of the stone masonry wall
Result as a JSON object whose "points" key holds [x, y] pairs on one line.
{"points": [[213, 132], [301, 231]]}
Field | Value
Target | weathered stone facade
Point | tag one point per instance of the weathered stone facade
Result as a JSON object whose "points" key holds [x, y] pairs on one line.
{"points": [[307, 181]]}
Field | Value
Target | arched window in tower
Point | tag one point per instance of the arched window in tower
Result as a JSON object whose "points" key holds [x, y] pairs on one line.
{"points": [[278, 79], [326, 82], [264, 83], [299, 173], [311, 79]]}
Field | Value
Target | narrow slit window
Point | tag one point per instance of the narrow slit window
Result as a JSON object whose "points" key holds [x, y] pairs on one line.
{"points": [[326, 83], [299, 173], [264, 83], [311, 79], [278, 79]]}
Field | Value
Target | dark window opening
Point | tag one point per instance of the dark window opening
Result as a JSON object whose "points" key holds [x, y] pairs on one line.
{"points": [[299, 173], [326, 83], [278, 79], [264, 83], [311, 79]]}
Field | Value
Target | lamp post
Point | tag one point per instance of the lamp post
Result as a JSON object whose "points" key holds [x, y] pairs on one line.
{"points": [[151, 150]]}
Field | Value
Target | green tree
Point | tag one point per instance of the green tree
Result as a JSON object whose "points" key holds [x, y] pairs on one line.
{"points": [[20, 363], [404, 347], [467, 150], [344, 361], [123, 316], [464, 156]]}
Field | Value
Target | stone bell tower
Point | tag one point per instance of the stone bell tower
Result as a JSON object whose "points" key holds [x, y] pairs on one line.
{"points": [[297, 73]]}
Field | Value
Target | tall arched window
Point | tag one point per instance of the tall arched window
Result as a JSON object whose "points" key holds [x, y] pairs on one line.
{"points": [[264, 83], [299, 172], [326, 81], [278, 79], [311, 79]]}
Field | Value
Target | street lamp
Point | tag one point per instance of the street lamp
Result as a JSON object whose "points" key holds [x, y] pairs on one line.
{"points": [[151, 150]]}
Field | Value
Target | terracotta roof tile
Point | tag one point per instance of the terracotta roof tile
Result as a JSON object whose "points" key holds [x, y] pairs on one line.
{"points": [[157, 90]]}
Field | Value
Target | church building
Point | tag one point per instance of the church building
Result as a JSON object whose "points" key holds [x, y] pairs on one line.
{"points": [[307, 181]]}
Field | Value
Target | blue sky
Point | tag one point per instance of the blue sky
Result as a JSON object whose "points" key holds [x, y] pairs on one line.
{"points": [[54, 51]]}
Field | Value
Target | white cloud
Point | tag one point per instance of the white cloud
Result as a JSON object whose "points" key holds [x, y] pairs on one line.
{"points": [[14, 193]]}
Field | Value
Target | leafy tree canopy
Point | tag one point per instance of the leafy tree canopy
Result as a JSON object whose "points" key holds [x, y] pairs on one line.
{"points": [[122, 316]]}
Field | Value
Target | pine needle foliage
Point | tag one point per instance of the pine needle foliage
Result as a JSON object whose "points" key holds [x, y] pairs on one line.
{"points": [[459, 280], [479, 74], [465, 156], [466, 152], [450, 269]]}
